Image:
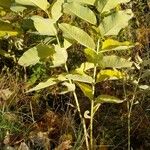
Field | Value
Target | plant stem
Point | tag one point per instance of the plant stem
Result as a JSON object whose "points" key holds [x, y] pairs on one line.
{"points": [[92, 101], [129, 107], [79, 111]]}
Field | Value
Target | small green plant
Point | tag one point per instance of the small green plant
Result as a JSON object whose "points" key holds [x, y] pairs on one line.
{"points": [[105, 20]]}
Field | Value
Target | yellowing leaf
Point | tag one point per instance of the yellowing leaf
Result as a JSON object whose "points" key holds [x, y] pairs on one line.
{"points": [[35, 54], [8, 29], [84, 67], [110, 44], [92, 56], [109, 74], [77, 34], [112, 24], [107, 99], [81, 11], [86, 89]]}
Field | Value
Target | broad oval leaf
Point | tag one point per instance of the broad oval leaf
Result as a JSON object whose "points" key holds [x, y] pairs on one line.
{"points": [[80, 78], [8, 29], [42, 85], [110, 44], [108, 99], [81, 11], [112, 24], [106, 5], [77, 34], [109, 74], [86, 89], [35, 54], [44, 26], [114, 61]]}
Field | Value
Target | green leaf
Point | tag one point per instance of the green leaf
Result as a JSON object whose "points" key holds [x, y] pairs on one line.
{"points": [[92, 56], [70, 87], [8, 29], [42, 85], [57, 6], [110, 44], [17, 8], [25, 2], [88, 2], [114, 62], [78, 34], [107, 99], [80, 78], [112, 24], [60, 56], [35, 54], [86, 89], [44, 26], [106, 5], [81, 11], [5, 3], [43, 4], [109, 74]]}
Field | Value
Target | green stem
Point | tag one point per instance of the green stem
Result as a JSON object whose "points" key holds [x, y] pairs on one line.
{"points": [[92, 101], [79, 111]]}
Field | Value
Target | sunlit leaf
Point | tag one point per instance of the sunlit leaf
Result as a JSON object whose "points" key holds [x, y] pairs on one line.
{"points": [[107, 99], [57, 6], [88, 2], [60, 56], [44, 26], [78, 34], [84, 67], [35, 54], [112, 24], [114, 61], [8, 29], [86, 89], [81, 11], [80, 78], [43, 4], [70, 87], [42, 85], [17, 8], [106, 5], [110, 44], [109, 74]]}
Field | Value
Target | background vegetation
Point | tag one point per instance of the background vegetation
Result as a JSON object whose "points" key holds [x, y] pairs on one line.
{"points": [[45, 119]]}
